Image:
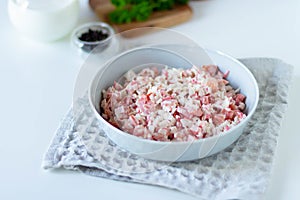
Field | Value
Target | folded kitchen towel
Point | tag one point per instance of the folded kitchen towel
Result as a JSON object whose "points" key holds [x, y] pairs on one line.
{"points": [[241, 171]]}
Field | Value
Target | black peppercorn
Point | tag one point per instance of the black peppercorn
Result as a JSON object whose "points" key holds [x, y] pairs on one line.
{"points": [[94, 35]]}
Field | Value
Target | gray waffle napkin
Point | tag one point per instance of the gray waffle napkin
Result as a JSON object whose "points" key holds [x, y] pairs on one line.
{"points": [[240, 171]]}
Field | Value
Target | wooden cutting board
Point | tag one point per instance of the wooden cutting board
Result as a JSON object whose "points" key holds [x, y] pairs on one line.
{"points": [[167, 18]]}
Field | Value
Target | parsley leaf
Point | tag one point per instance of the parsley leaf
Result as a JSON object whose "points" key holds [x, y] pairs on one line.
{"points": [[127, 11]]}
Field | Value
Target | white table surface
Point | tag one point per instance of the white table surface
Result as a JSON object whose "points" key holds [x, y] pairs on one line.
{"points": [[36, 85]]}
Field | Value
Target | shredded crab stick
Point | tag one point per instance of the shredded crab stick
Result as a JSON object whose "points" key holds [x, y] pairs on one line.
{"points": [[174, 104]]}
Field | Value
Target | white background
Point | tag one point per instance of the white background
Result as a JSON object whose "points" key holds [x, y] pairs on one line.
{"points": [[36, 86]]}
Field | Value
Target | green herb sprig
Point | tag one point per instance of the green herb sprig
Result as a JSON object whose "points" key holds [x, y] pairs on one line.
{"points": [[127, 11]]}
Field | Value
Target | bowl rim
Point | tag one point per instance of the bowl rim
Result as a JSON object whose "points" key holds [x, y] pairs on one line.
{"points": [[195, 141]]}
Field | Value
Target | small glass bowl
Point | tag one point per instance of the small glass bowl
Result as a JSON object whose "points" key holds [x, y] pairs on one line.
{"points": [[90, 47]]}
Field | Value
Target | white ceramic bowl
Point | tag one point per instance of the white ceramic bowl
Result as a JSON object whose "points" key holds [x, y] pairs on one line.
{"points": [[240, 77]]}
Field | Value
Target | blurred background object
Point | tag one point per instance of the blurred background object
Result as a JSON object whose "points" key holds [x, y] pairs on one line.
{"points": [[44, 20], [128, 14]]}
